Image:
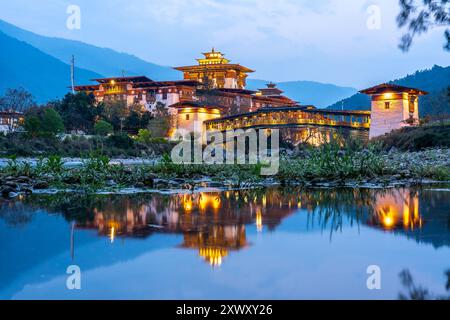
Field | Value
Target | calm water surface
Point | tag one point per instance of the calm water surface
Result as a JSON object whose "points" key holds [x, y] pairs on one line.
{"points": [[265, 244]]}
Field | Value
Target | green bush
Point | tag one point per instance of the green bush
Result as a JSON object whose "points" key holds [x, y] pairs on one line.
{"points": [[45, 122], [103, 128], [120, 140], [144, 136]]}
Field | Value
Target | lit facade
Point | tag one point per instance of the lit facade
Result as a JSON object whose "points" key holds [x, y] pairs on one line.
{"points": [[10, 121], [212, 96], [393, 107], [190, 101], [215, 69]]}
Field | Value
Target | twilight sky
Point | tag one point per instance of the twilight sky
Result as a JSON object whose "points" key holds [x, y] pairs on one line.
{"points": [[320, 40]]}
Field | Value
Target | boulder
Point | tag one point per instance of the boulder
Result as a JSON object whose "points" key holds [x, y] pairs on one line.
{"points": [[140, 185], [6, 191], [39, 185], [23, 179], [12, 185]]}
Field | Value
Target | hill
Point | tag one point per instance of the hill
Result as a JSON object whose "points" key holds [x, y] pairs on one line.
{"points": [[106, 62], [44, 76], [307, 92]]}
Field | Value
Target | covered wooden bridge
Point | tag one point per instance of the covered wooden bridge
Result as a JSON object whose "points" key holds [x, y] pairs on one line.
{"points": [[292, 116]]}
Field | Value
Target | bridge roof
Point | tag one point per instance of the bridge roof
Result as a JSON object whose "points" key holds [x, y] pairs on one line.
{"points": [[305, 108]]}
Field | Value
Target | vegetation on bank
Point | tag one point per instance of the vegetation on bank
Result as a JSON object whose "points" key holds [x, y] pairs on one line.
{"points": [[117, 145], [418, 138], [117, 131], [329, 165], [78, 125]]}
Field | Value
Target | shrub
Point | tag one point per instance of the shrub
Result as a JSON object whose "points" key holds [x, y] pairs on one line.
{"points": [[44, 122], [144, 136], [121, 141], [103, 128], [52, 123]]}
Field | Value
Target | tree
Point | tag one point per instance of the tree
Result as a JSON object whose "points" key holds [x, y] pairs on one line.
{"points": [[144, 136], [43, 122], [421, 15], [116, 112], [103, 128], [32, 125], [159, 126], [18, 100], [78, 111], [52, 123], [137, 118]]}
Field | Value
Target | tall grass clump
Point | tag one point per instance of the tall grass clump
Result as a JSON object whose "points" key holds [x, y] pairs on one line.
{"points": [[332, 161]]}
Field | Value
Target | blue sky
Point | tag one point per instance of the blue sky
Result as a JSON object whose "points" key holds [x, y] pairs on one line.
{"points": [[320, 40]]}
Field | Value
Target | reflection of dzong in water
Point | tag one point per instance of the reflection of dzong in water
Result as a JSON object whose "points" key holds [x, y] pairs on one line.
{"points": [[216, 242], [212, 223], [217, 223]]}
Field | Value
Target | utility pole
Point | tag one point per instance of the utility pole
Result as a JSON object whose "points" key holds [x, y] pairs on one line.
{"points": [[72, 73]]}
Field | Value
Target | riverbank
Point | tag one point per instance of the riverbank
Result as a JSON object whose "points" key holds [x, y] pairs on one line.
{"points": [[325, 167]]}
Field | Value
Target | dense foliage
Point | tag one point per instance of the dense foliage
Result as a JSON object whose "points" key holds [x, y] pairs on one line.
{"points": [[43, 122], [418, 138]]}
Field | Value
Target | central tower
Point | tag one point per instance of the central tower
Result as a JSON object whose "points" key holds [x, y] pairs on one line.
{"points": [[215, 71]]}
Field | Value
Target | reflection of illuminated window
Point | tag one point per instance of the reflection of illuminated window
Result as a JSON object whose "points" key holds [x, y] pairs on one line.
{"points": [[214, 256], [387, 217], [259, 223]]}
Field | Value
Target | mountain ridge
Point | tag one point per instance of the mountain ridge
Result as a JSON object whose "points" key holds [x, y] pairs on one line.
{"points": [[44, 76], [307, 92], [108, 63], [104, 61]]}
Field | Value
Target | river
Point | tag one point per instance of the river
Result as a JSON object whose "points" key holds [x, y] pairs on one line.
{"points": [[273, 243]]}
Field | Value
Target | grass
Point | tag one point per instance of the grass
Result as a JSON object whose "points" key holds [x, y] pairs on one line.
{"points": [[330, 162]]}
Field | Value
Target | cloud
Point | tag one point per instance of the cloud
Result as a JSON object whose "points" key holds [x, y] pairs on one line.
{"points": [[323, 40]]}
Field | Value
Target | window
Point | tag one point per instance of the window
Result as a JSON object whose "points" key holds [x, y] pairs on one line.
{"points": [[387, 105], [164, 94], [187, 117], [412, 104]]}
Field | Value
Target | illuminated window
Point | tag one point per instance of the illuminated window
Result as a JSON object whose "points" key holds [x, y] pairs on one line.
{"points": [[387, 105]]}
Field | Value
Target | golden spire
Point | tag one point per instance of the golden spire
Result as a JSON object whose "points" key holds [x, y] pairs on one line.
{"points": [[213, 57]]}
